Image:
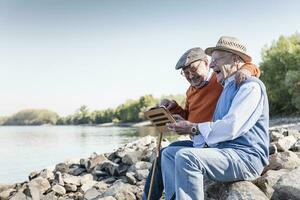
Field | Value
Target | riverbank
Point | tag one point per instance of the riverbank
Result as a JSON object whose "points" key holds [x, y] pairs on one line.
{"points": [[121, 174]]}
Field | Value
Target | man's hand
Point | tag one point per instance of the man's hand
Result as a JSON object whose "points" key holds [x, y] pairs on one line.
{"points": [[242, 75], [169, 104], [181, 127], [178, 118]]}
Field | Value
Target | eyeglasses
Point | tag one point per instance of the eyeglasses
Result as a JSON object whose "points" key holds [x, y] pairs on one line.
{"points": [[190, 70]]}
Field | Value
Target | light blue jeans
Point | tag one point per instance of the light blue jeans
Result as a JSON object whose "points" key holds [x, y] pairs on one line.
{"points": [[183, 170]]}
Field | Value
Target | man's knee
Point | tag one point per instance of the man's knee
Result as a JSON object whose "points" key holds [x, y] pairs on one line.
{"points": [[184, 157]]}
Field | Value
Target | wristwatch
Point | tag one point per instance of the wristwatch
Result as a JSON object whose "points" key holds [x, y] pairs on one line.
{"points": [[195, 130]]}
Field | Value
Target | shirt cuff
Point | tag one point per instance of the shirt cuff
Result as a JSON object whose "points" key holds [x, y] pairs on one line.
{"points": [[205, 129]]}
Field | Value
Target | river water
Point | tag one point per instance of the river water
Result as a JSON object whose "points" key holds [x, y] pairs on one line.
{"points": [[24, 149]]}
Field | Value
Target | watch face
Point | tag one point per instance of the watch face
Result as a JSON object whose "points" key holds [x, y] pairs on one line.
{"points": [[194, 130]]}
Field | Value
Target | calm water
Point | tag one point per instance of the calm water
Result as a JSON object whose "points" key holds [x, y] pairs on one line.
{"points": [[26, 149]]}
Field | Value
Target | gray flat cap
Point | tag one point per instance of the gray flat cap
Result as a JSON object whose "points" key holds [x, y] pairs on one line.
{"points": [[190, 56]]}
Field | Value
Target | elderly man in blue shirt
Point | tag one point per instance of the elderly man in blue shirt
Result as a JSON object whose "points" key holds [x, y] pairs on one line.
{"points": [[237, 138]]}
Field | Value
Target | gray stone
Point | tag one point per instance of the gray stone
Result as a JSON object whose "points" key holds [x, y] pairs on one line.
{"points": [[40, 183], [97, 160], [91, 194], [5, 187], [235, 191], [50, 196], [71, 179], [275, 136], [288, 186], [130, 177], [109, 167], [47, 173], [62, 167], [268, 180], [70, 188], [118, 186], [58, 189], [294, 132], [142, 165], [33, 192], [58, 178], [6, 193], [76, 171], [142, 174], [106, 198], [96, 172], [101, 186], [33, 175], [110, 180], [121, 169], [19, 196], [296, 147], [132, 157], [285, 143], [283, 160]]}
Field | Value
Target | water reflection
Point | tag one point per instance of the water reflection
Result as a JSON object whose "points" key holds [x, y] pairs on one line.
{"points": [[26, 149]]}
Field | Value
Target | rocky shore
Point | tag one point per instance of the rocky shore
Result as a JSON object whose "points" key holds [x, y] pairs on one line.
{"points": [[121, 175]]}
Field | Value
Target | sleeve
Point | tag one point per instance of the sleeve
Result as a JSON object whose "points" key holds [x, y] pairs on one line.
{"points": [[245, 110], [254, 70], [180, 111]]}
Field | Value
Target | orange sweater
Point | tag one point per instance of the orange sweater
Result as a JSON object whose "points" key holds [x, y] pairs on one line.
{"points": [[201, 103]]}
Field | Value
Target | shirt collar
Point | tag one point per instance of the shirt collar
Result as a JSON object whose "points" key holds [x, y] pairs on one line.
{"points": [[228, 80], [209, 75]]}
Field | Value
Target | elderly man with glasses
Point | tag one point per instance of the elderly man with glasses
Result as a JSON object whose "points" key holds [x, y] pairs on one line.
{"points": [[237, 137], [201, 100]]}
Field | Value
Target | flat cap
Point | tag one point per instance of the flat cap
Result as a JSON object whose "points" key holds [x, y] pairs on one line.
{"points": [[190, 56]]}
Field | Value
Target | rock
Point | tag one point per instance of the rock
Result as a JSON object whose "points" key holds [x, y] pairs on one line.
{"points": [[294, 132], [47, 173], [285, 143], [130, 177], [91, 194], [70, 188], [58, 178], [33, 192], [69, 179], [283, 160], [110, 180], [58, 189], [96, 172], [142, 174], [296, 146], [62, 167], [107, 198], [5, 187], [142, 165], [49, 196], [268, 180], [6, 193], [33, 175], [19, 196], [101, 186], [97, 160], [235, 191], [76, 171], [275, 136], [272, 149], [40, 183], [124, 195], [132, 157], [109, 167], [118, 186], [288, 186]]}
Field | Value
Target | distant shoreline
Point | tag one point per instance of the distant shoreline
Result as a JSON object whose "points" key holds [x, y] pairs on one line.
{"points": [[276, 121]]}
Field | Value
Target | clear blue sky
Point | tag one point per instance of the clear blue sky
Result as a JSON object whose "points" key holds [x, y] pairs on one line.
{"points": [[62, 54]]}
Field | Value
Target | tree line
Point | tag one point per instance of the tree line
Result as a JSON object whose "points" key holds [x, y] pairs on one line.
{"points": [[280, 69]]}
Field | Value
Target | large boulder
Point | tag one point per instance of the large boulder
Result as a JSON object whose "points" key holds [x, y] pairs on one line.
{"points": [[288, 186], [283, 160], [285, 143], [235, 191], [268, 180]]}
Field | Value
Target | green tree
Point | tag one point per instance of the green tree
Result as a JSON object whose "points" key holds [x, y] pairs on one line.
{"points": [[281, 74]]}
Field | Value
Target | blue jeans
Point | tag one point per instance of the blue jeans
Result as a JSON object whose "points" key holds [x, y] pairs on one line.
{"points": [[183, 170], [158, 186]]}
